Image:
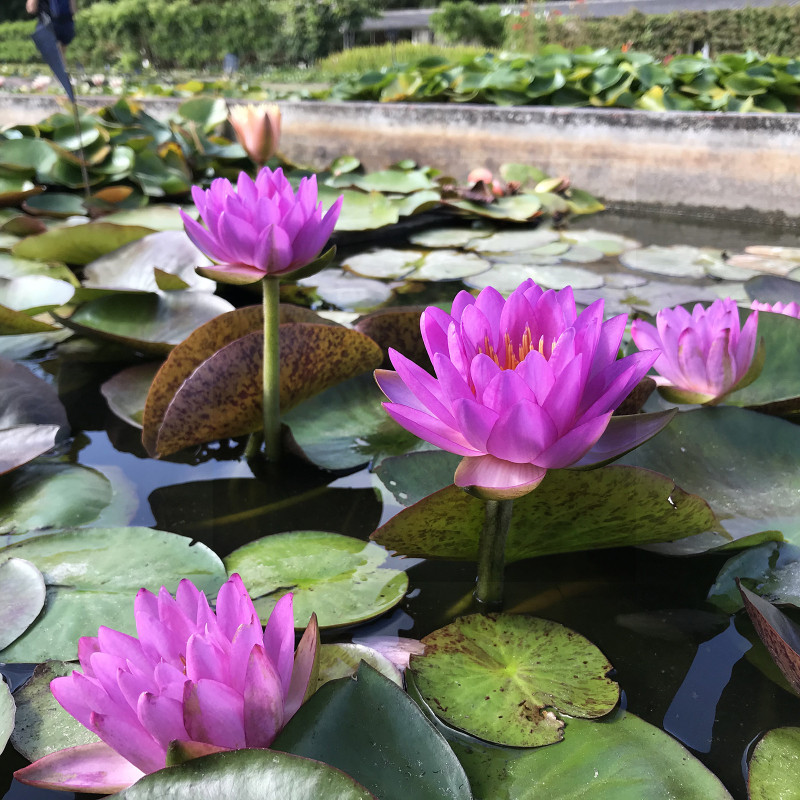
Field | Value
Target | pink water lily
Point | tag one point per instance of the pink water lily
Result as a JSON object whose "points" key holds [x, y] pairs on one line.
{"points": [[705, 354], [261, 227], [788, 309], [194, 679], [522, 385], [258, 129]]}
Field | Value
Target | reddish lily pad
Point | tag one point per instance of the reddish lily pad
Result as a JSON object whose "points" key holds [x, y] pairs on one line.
{"points": [[22, 596], [570, 510], [223, 396], [501, 677]]}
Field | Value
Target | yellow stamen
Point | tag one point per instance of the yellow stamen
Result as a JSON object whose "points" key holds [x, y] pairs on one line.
{"points": [[513, 359]]}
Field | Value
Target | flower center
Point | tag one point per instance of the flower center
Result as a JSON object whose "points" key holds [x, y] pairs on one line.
{"points": [[513, 358]]}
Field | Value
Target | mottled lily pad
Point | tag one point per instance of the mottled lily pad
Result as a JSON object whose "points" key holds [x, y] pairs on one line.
{"points": [[775, 766], [339, 578], [503, 277], [92, 576], [501, 677], [21, 598]]}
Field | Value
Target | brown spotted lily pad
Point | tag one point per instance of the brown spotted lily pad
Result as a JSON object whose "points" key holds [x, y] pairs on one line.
{"points": [[505, 678]]}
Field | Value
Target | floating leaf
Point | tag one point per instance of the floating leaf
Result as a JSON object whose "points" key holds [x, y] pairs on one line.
{"points": [[397, 328], [559, 277], [13, 267], [342, 660], [78, 244], [26, 399], [346, 719], [207, 112], [449, 265], [449, 237], [43, 726], [678, 261], [514, 241], [157, 217], [126, 392], [610, 244], [223, 396], [247, 774], [775, 766], [21, 598], [570, 510], [34, 294], [385, 263], [516, 208], [347, 291], [361, 211], [92, 576], [6, 714], [339, 578], [22, 443]]}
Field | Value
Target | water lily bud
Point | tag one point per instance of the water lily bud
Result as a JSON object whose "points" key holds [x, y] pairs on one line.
{"points": [[258, 129]]}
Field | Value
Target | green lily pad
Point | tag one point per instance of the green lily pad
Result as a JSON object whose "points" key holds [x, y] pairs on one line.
{"points": [[78, 244], [582, 254], [27, 155], [42, 725], [775, 766], [17, 323], [385, 263], [132, 266], [346, 426], [514, 241], [390, 180], [570, 510], [92, 576], [247, 774], [24, 345], [449, 265], [501, 677], [6, 714], [45, 495], [14, 190], [559, 277], [149, 323], [610, 244], [157, 217], [126, 392], [22, 443], [34, 294], [503, 277], [55, 204], [13, 267], [750, 476], [342, 660], [777, 388], [313, 358], [361, 211], [515, 208], [207, 112], [21, 598], [371, 729], [449, 237], [348, 292], [676, 261], [339, 578]]}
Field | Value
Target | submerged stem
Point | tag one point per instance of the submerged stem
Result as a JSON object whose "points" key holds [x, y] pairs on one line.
{"points": [[272, 368], [492, 554]]}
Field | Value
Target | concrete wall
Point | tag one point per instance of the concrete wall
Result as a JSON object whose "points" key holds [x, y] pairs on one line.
{"points": [[730, 165]]}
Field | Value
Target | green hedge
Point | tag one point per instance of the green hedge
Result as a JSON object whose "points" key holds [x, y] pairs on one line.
{"points": [[16, 45]]}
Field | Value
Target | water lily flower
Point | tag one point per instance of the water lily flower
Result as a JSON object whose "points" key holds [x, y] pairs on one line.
{"points": [[789, 309], [260, 227], [258, 129], [193, 679], [705, 355], [521, 386]]}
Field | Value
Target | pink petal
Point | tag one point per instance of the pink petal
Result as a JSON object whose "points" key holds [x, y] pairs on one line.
{"points": [[263, 700], [476, 421], [214, 713], [203, 239], [430, 429], [130, 740], [304, 661], [279, 639], [94, 768], [425, 388], [574, 445], [746, 348], [204, 659], [162, 717], [521, 433], [273, 253], [234, 607], [493, 473]]}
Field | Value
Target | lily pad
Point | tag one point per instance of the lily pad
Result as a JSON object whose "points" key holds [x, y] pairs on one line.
{"points": [[342, 660], [570, 510], [449, 237], [223, 396], [18, 323], [449, 265], [14, 267], [78, 244], [339, 578], [397, 328], [501, 677], [361, 211], [385, 263], [247, 774], [347, 719], [132, 266], [503, 277], [6, 714], [775, 766], [610, 244], [126, 392], [559, 277], [149, 323], [348, 292], [346, 426], [21, 598], [514, 241], [22, 443], [27, 399], [92, 576], [55, 204], [156, 216], [45, 495], [773, 289], [24, 345], [745, 464], [514, 208], [391, 180], [34, 294], [676, 261], [42, 725]]}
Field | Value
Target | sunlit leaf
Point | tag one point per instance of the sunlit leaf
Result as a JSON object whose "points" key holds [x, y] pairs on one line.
{"points": [[22, 595]]}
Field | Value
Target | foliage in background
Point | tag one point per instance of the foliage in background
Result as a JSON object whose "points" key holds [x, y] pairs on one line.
{"points": [[466, 22], [358, 60]]}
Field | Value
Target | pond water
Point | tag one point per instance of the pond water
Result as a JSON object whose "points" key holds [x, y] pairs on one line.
{"points": [[681, 664]]}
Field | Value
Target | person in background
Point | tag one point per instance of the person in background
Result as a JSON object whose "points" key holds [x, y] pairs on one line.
{"points": [[60, 12]]}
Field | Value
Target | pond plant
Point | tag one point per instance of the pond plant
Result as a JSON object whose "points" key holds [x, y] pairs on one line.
{"points": [[507, 393]]}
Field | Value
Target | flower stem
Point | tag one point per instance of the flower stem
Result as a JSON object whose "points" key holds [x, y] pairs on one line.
{"points": [[492, 554], [272, 368]]}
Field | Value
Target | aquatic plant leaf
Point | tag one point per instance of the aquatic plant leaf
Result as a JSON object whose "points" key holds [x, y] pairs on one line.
{"points": [[341, 579], [22, 443], [347, 291], [361, 211], [449, 265], [773, 289], [149, 323], [342, 660], [775, 766], [397, 328], [14, 190], [501, 677], [676, 261], [126, 392], [156, 216], [247, 774], [21, 598], [34, 294], [55, 204], [92, 576], [516, 208], [13, 267], [133, 266], [223, 396], [780, 635], [42, 725], [570, 510], [6, 714], [557, 277], [349, 718], [24, 345], [382, 263], [78, 244], [27, 399], [450, 237], [26, 155], [750, 477], [207, 112], [514, 241], [391, 180], [14, 323]]}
